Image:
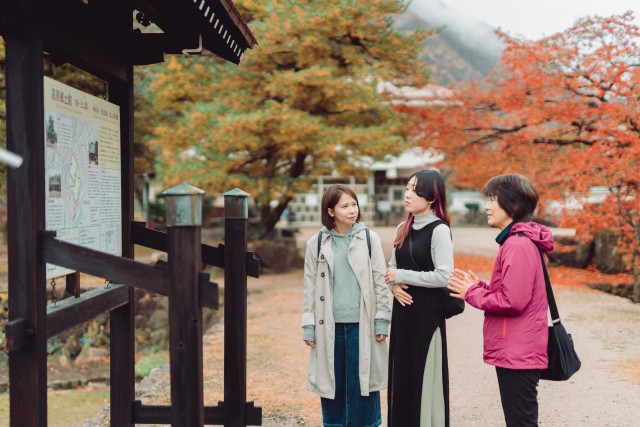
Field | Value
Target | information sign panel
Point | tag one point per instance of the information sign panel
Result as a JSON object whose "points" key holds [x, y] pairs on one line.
{"points": [[82, 170]]}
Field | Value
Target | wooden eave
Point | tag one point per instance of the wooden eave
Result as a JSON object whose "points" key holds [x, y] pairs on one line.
{"points": [[213, 26], [76, 29]]}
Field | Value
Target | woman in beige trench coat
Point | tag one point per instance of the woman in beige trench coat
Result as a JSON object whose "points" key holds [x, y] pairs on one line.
{"points": [[346, 314]]}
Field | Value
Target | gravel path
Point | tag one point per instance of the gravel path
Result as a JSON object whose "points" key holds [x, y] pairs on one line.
{"points": [[605, 392]]}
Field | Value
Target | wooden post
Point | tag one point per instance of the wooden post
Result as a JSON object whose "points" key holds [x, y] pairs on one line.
{"points": [[122, 319], [184, 220], [23, 35], [73, 284], [236, 213]]}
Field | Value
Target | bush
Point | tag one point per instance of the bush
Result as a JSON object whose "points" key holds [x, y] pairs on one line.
{"points": [[148, 362]]}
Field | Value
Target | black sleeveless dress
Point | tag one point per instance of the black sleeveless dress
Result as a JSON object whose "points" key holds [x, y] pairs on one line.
{"points": [[412, 329]]}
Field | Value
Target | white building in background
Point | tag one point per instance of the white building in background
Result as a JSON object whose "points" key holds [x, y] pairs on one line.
{"points": [[380, 193], [429, 95], [466, 201], [573, 202]]}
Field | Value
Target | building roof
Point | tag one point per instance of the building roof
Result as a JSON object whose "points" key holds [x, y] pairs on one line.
{"points": [[411, 160], [196, 27], [422, 96]]}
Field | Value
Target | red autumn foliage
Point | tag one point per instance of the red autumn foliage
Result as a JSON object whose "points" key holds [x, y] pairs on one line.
{"points": [[559, 275], [564, 111]]}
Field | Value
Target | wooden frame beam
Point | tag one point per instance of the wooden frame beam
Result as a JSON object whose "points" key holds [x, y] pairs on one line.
{"points": [[113, 268], [214, 256], [73, 311], [213, 415]]}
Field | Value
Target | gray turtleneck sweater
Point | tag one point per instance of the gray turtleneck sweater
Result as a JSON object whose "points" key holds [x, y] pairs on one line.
{"points": [[441, 253]]}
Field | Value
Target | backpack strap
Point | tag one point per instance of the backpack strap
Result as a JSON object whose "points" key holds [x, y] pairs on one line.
{"points": [[368, 241]]}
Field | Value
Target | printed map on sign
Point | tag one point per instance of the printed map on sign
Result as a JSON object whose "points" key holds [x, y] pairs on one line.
{"points": [[82, 170]]}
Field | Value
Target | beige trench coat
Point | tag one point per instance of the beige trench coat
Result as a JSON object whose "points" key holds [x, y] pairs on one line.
{"points": [[318, 311]]}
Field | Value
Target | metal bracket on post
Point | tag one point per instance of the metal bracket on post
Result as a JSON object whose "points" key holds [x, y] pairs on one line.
{"points": [[184, 206], [15, 332], [236, 204]]}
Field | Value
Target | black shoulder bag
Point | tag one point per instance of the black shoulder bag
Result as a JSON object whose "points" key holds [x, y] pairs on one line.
{"points": [[563, 359], [450, 306]]}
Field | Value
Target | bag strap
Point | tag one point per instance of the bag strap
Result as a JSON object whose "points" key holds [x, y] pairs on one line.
{"points": [[368, 241], [553, 307], [366, 230], [551, 300]]}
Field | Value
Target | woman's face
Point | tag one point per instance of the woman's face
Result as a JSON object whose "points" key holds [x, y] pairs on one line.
{"points": [[496, 216], [413, 203], [345, 213]]}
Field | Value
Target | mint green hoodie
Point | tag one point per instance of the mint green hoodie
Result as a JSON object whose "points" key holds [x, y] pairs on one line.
{"points": [[346, 290]]}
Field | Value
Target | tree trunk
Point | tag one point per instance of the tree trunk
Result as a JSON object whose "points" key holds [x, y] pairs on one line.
{"points": [[269, 217]]}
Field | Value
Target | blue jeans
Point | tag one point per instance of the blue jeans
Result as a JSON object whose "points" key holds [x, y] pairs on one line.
{"points": [[349, 408]]}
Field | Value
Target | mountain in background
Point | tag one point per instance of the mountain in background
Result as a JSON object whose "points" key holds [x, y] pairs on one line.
{"points": [[464, 48]]}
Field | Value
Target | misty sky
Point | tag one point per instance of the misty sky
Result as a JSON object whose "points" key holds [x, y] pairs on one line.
{"points": [[532, 18]]}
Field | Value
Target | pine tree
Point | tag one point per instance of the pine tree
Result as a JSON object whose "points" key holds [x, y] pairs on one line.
{"points": [[302, 104]]}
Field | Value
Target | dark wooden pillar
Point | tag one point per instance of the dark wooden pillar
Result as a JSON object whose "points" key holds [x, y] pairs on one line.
{"points": [[236, 213], [25, 193], [122, 319], [184, 220]]}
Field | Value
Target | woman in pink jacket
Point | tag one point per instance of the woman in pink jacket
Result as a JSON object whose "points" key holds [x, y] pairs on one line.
{"points": [[515, 300]]}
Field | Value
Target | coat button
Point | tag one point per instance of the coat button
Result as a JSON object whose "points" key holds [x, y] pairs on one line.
{"points": [[321, 298], [321, 322], [321, 256], [321, 274]]}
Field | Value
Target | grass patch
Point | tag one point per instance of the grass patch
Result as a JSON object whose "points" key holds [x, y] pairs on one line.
{"points": [[149, 361], [66, 407]]}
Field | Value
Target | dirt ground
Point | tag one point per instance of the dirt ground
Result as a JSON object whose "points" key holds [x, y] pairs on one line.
{"points": [[604, 327]]}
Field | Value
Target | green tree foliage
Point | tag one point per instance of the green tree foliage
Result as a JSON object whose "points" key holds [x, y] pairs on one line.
{"points": [[302, 104]]}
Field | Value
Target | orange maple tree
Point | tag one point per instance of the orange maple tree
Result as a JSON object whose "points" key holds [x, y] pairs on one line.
{"points": [[563, 110]]}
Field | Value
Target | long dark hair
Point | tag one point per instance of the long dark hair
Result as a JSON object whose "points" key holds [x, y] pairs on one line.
{"points": [[430, 185]]}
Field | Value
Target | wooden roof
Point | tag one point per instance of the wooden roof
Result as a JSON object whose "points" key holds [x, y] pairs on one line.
{"points": [[213, 26], [100, 35]]}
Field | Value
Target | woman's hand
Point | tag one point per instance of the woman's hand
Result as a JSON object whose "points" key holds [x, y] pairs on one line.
{"points": [[311, 344], [460, 281], [381, 337], [390, 276], [403, 297]]}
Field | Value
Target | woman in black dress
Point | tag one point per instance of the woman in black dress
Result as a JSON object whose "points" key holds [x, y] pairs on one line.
{"points": [[422, 260]]}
